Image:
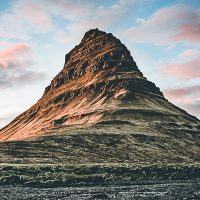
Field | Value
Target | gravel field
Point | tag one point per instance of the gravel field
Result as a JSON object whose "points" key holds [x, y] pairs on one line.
{"points": [[173, 190]]}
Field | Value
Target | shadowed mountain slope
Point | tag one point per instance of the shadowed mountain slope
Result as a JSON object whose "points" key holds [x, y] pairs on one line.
{"points": [[103, 94]]}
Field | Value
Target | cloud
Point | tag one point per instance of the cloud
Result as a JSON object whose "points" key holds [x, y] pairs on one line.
{"points": [[186, 97], [92, 15], [14, 55], [15, 63], [180, 93], [35, 15], [16, 77], [194, 108], [189, 54], [186, 66], [71, 9], [24, 18], [76, 10], [178, 23]]}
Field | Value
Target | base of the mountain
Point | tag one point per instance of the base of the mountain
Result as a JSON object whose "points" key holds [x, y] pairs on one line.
{"points": [[102, 154], [97, 174], [107, 143]]}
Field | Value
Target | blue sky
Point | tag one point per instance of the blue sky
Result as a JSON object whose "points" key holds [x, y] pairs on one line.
{"points": [[163, 37]]}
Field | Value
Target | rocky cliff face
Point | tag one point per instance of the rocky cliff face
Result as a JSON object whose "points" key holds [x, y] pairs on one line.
{"points": [[100, 83]]}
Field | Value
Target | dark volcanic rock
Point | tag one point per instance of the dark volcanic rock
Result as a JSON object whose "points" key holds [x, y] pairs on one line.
{"points": [[100, 83]]}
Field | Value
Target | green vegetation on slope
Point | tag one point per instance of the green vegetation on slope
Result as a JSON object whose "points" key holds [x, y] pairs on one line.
{"points": [[122, 143], [70, 175]]}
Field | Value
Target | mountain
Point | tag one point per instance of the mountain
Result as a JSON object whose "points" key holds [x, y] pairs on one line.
{"points": [[101, 109], [99, 84]]}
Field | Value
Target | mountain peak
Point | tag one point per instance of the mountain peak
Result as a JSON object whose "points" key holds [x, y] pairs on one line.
{"points": [[99, 54], [100, 83], [93, 32]]}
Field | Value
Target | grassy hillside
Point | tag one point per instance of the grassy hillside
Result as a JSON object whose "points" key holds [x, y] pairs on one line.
{"points": [[96, 174], [121, 143]]}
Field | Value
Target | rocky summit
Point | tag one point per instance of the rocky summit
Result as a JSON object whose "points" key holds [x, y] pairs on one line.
{"points": [[101, 92]]}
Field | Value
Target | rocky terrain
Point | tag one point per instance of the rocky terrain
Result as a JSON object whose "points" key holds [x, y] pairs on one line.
{"points": [[160, 191]]}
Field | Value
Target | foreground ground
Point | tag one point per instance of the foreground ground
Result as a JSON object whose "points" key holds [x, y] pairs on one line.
{"points": [[95, 174], [100, 181], [165, 191]]}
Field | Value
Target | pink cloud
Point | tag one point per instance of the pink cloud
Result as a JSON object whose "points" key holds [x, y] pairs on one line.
{"points": [[14, 55], [183, 71], [170, 24], [104, 17], [187, 98], [27, 17], [189, 54], [180, 93], [15, 50], [75, 10], [186, 67], [24, 18], [71, 9], [34, 14], [188, 32], [194, 108], [15, 63]]}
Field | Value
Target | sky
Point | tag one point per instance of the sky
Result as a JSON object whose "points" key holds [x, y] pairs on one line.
{"points": [[163, 37]]}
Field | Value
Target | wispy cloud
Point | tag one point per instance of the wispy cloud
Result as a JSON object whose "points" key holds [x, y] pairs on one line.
{"points": [[34, 14], [15, 63], [14, 56], [180, 93], [93, 16], [184, 71], [178, 23], [25, 18], [186, 66], [186, 97]]}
